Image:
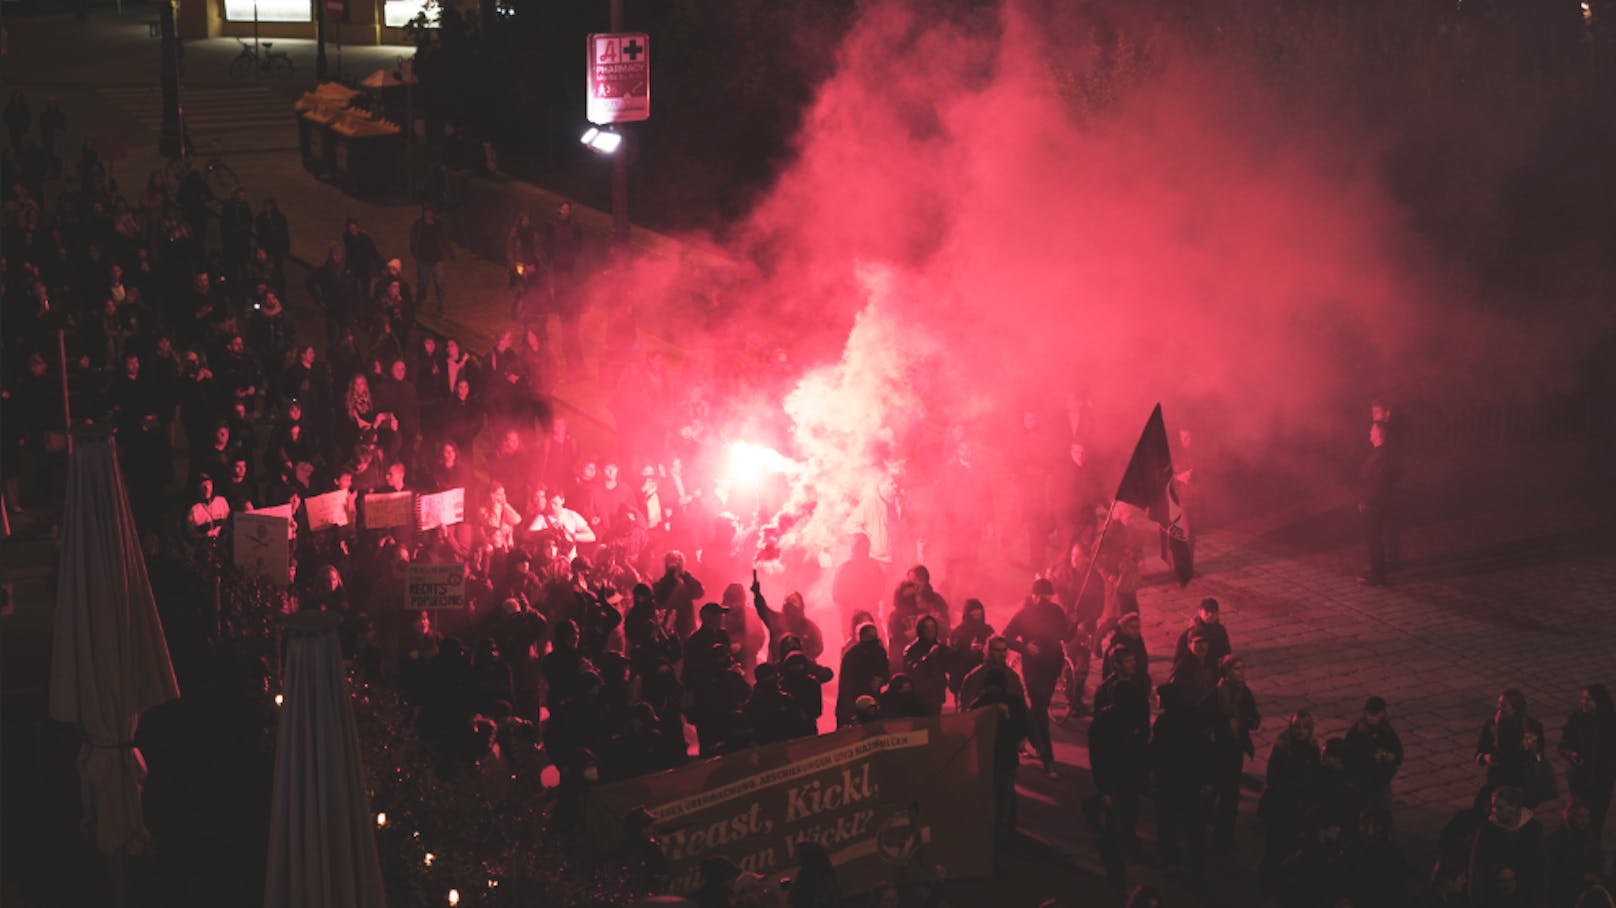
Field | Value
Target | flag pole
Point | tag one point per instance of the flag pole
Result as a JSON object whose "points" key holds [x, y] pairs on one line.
{"points": [[67, 406], [1094, 558]]}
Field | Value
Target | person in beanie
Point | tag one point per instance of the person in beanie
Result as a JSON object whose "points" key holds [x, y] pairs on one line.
{"points": [[1374, 753], [1209, 624]]}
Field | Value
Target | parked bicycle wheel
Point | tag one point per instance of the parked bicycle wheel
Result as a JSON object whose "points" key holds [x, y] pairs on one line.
{"points": [[279, 63], [243, 65]]}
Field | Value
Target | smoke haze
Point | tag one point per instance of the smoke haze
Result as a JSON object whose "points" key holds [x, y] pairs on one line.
{"points": [[991, 212]]}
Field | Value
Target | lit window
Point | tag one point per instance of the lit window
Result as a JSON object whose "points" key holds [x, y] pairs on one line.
{"points": [[398, 13], [269, 10]]}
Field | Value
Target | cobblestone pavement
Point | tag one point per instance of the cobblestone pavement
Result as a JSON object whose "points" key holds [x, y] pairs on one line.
{"points": [[1517, 596]]}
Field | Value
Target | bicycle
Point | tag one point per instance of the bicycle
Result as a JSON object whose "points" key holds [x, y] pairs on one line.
{"points": [[252, 59]]}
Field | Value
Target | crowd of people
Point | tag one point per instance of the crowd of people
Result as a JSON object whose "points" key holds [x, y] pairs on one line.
{"points": [[609, 628]]}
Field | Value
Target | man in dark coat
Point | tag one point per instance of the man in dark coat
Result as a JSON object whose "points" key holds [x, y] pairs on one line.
{"points": [[1181, 757], [865, 670], [1039, 632], [1117, 751]]}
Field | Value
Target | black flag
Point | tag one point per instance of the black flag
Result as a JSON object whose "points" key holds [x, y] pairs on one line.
{"points": [[1148, 485]]}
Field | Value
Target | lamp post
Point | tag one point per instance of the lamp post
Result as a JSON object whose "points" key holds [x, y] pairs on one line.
{"points": [[172, 140], [620, 224], [319, 40]]}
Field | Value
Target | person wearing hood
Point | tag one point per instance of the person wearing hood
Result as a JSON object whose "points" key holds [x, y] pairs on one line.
{"points": [[644, 636], [967, 644], [791, 620], [864, 671], [1510, 838], [899, 700], [926, 662], [804, 682], [929, 600], [770, 714], [747, 636]]}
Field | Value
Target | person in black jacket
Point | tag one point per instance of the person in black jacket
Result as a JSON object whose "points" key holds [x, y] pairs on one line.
{"points": [[336, 290], [235, 234], [274, 234], [1117, 750], [1208, 622], [1007, 738], [967, 643], [1235, 712], [364, 259], [925, 661], [1374, 752], [1181, 757], [1511, 743], [864, 672], [1039, 632], [1292, 785], [1588, 744], [1510, 839]]}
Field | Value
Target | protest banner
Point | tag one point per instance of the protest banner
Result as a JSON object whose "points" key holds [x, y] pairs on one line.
{"points": [[434, 586], [441, 509], [328, 510], [388, 509], [892, 798], [260, 546]]}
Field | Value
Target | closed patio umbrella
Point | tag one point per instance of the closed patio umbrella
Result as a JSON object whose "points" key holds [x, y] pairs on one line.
{"points": [[109, 657], [322, 840]]}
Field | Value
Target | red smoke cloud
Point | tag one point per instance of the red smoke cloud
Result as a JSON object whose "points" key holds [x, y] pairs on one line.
{"points": [[965, 233]]}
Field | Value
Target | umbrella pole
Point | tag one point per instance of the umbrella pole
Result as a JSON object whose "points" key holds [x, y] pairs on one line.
{"points": [[67, 406], [120, 866]]}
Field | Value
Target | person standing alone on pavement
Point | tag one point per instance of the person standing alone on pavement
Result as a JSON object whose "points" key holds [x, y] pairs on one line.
{"points": [[1378, 479], [429, 244], [1039, 631]]}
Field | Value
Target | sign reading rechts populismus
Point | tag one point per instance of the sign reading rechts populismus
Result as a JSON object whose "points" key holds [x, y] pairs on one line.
{"points": [[619, 78], [434, 586]]}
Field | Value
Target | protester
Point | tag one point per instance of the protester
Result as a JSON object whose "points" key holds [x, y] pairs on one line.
{"points": [[1588, 745]]}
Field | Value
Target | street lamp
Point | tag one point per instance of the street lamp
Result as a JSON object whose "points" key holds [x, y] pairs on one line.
{"points": [[604, 141]]}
